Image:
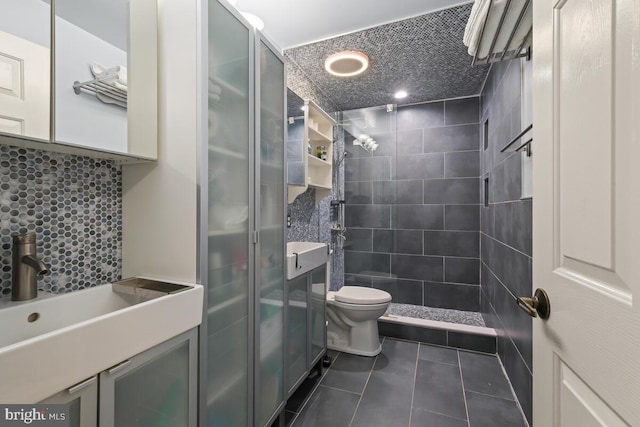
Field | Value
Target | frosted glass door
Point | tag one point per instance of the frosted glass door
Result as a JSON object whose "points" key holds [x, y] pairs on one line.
{"points": [[82, 400], [229, 260], [318, 316], [271, 249], [297, 330], [155, 388]]}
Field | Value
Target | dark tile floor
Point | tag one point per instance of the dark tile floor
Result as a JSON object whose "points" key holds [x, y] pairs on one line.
{"points": [[408, 384]]}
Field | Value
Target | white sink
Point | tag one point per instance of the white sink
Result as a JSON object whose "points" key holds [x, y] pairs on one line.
{"points": [[54, 342], [305, 256]]}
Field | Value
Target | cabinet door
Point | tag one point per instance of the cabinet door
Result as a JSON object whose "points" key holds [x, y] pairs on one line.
{"points": [[229, 183], [155, 388], [318, 335], [25, 58], [297, 330], [82, 399], [270, 251]]}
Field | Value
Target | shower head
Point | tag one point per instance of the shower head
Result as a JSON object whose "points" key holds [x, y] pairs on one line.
{"points": [[342, 158]]}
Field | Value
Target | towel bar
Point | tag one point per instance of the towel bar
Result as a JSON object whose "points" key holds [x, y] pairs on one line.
{"points": [[509, 52]]}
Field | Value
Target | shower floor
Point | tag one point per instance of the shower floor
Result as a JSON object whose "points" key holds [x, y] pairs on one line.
{"points": [[440, 314]]}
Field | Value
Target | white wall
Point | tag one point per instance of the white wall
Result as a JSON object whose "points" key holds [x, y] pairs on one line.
{"points": [[160, 198], [27, 19], [83, 119]]}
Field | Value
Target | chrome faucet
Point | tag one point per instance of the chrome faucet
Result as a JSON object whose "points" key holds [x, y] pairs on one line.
{"points": [[25, 268]]}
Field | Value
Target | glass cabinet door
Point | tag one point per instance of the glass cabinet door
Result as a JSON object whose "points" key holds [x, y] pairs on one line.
{"points": [[155, 388], [297, 330], [270, 255], [318, 315], [229, 186], [82, 399]]}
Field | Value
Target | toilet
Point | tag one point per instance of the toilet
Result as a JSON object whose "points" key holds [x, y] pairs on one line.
{"points": [[353, 314]]}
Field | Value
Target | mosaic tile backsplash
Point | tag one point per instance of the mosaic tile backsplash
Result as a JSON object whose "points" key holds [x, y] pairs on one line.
{"points": [[74, 206]]}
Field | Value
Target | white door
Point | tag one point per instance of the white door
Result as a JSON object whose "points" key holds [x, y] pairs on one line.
{"points": [[586, 254], [24, 87]]}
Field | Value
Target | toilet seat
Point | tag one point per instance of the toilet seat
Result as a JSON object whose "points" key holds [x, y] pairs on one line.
{"points": [[361, 295]]}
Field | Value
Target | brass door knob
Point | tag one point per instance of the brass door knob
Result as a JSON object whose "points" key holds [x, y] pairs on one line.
{"points": [[538, 305]]}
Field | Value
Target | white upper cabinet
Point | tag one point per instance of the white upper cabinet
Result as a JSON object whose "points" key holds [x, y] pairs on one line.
{"points": [[80, 75]]}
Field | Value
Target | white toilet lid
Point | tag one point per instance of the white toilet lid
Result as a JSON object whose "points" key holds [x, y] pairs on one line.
{"points": [[361, 295]]}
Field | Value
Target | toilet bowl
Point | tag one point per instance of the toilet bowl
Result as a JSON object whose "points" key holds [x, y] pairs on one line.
{"points": [[353, 314]]}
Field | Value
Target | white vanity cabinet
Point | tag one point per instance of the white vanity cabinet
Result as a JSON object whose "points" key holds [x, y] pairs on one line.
{"points": [[82, 400], [157, 388]]}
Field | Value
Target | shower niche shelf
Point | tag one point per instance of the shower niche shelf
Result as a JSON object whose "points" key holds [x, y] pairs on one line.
{"points": [[318, 131]]}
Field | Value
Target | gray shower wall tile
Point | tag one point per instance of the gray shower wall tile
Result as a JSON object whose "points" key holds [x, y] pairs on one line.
{"points": [[358, 193], [423, 217], [368, 169], [452, 138], [367, 263], [456, 191], [452, 243], [410, 292], [386, 144], [506, 230], [452, 296], [409, 192], [503, 221], [462, 164], [384, 192], [409, 142], [421, 199], [418, 267], [487, 220], [462, 217], [357, 280], [420, 166], [462, 111], [74, 206], [398, 241], [522, 224], [368, 216], [397, 192], [359, 239], [421, 116], [462, 270]]}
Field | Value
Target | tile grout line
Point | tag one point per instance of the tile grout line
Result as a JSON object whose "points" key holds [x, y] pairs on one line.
{"points": [[464, 393], [513, 392], [413, 391], [293, 421], [341, 389], [365, 386]]}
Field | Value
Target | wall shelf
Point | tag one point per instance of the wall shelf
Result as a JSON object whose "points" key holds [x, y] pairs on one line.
{"points": [[314, 161], [318, 131]]}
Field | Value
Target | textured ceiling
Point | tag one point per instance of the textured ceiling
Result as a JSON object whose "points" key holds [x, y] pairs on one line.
{"points": [[292, 23], [423, 55]]}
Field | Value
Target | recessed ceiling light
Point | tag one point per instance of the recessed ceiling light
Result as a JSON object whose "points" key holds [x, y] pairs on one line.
{"points": [[401, 94], [254, 20], [346, 64]]}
